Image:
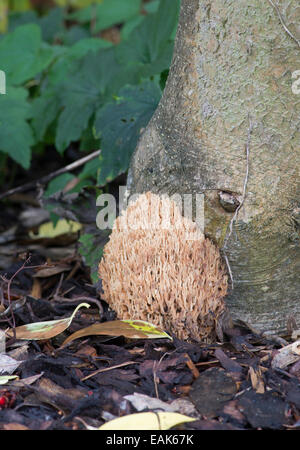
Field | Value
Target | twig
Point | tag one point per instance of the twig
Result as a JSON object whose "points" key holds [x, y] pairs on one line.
{"points": [[81, 298], [283, 22], [106, 369], [9, 282], [233, 219], [192, 366], [46, 178]]}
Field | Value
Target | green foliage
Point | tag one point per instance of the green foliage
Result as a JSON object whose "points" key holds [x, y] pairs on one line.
{"points": [[65, 85], [91, 253], [108, 13], [119, 124], [16, 136], [23, 54]]}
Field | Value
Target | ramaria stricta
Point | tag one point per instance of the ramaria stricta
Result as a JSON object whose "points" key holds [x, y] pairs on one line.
{"points": [[159, 267]]}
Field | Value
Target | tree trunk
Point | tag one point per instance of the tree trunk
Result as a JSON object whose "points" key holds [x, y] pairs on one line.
{"points": [[229, 98]]}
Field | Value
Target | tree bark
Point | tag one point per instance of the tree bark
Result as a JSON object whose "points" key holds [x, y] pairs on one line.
{"points": [[229, 95]]}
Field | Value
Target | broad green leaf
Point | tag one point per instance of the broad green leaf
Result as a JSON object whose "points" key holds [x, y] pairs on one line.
{"points": [[75, 34], [15, 133], [58, 184], [17, 19], [152, 7], [150, 42], [52, 24], [91, 253], [147, 421], [85, 91], [129, 26], [119, 124], [59, 93], [73, 121], [45, 110], [22, 54], [44, 330], [68, 62], [4, 379], [108, 13], [132, 329]]}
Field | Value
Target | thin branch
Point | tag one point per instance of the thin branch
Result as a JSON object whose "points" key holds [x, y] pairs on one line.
{"points": [[283, 22], [46, 178], [233, 219]]}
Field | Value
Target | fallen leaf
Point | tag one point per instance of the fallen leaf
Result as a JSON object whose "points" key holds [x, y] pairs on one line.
{"points": [[52, 270], [26, 381], [66, 399], [6, 378], [147, 421], [44, 330], [48, 230], [133, 329], [7, 364], [142, 402]]}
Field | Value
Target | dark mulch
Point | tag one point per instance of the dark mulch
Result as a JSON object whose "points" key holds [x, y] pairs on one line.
{"points": [[229, 385]]}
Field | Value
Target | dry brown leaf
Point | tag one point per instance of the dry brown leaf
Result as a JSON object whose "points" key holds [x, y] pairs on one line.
{"points": [[132, 329]]}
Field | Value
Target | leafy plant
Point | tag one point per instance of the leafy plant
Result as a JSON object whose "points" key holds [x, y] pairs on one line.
{"points": [[67, 85]]}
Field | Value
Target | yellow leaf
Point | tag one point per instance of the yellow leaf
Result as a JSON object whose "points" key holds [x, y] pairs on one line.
{"points": [[6, 378], [132, 329], [44, 330], [147, 421], [19, 5], [63, 226]]}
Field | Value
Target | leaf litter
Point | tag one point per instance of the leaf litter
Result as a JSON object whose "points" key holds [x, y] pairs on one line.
{"points": [[74, 366]]}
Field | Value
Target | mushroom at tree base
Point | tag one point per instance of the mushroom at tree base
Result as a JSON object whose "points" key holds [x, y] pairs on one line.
{"points": [[159, 267]]}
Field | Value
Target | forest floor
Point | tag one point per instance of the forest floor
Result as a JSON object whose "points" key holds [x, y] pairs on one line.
{"points": [[249, 381]]}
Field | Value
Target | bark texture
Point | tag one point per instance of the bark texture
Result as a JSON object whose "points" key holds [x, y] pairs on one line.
{"points": [[234, 61]]}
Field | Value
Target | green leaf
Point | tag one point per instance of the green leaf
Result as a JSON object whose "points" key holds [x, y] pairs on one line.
{"points": [[16, 136], [44, 111], [150, 42], [69, 61], [129, 26], [23, 55], [85, 91], [151, 7], [119, 124], [75, 34], [51, 24], [108, 13], [91, 253], [58, 184]]}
